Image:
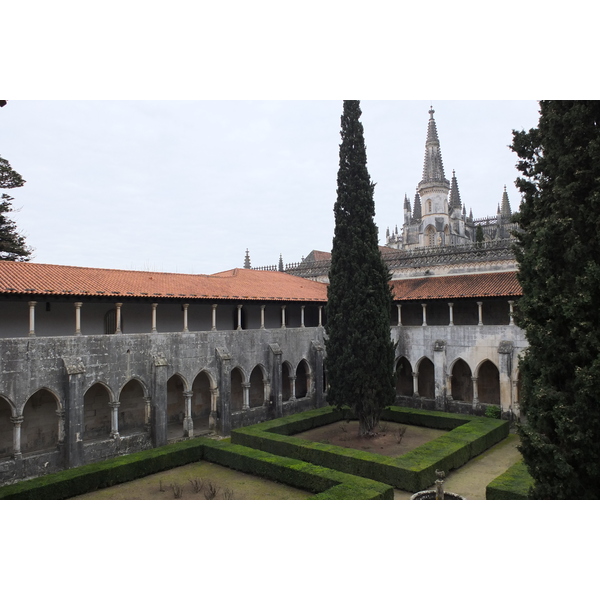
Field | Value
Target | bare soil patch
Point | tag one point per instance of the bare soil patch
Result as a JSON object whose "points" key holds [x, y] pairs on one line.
{"points": [[230, 485], [388, 440]]}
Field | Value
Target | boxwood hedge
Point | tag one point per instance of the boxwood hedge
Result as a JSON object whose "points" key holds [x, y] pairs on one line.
{"points": [[467, 437], [325, 483], [513, 484]]}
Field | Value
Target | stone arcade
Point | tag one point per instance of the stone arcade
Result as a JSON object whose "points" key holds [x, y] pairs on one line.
{"points": [[101, 362]]}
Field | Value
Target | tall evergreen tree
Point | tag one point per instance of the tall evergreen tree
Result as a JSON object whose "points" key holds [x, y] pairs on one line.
{"points": [[360, 353], [559, 262], [12, 243]]}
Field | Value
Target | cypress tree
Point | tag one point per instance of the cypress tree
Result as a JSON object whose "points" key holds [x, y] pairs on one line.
{"points": [[559, 262], [360, 353], [12, 243]]}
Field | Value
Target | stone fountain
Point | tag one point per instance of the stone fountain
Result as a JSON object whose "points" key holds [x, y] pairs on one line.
{"points": [[438, 493]]}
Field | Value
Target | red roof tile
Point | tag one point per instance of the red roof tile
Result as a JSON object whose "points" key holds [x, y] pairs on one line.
{"points": [[475, 285], [237, 284]]}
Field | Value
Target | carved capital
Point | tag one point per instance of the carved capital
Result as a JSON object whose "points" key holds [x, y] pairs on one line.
{"points": [[74, 365]]}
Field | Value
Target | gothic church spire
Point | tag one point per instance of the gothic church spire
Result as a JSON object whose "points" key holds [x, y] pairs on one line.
{"points": [[433, 167], [454, 194]]}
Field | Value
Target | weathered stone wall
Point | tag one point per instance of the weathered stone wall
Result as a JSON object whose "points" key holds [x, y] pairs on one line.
{"points": [[445, 345], [66, 368]]}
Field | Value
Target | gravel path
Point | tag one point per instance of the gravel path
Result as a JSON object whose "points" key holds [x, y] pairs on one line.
{"points": [[471, 480]]}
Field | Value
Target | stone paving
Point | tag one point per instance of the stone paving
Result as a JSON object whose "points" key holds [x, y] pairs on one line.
{"points": [[471, 480]]}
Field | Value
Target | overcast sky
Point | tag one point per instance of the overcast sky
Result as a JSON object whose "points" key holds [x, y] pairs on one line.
{"points": [[187, 186]]}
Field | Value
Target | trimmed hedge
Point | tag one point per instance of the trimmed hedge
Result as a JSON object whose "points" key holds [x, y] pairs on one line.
{"points": [[513, 484], [414, 471], [325, 483]]}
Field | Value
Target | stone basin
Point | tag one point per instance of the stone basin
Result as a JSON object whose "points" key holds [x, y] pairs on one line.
{"points": [[430, 495]]}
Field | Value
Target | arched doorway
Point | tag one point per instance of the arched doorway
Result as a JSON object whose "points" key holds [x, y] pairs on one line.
{"points": [[237, 390], [302, 379], [96, 412], [175, 406], [404, 378], [426, 379], [488, 383], [257, 387], [286, 386], [462, 384], [6, 429], [40, 427], [201, 401], [132, 408]]}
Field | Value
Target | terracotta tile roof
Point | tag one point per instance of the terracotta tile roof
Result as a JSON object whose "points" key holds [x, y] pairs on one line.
{"points": [[475, 285], [237, 284]]}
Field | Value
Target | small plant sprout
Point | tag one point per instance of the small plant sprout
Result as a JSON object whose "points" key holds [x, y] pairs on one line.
{"points": [[399, 435], [211, 490], [227, 494], [197, 485], [177, 491]]}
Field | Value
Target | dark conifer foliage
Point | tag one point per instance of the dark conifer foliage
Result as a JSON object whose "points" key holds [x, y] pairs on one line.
{"points": [[12, 243], [360, 353], [559, 262]]}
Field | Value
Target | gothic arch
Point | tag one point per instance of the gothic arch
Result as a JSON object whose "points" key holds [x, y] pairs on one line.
{"points": [[404, 378], [461, 381], [426, 378], [96, 411], [7, 410], [488, 383], [237, 390], [176, 386], [429, 234], [303, 379], [202, 387], [132, 407], [286, 385], [258, 384], [41, 426]]}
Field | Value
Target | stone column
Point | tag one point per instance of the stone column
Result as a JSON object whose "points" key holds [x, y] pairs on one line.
{"points": [[78, 306], [16, 421], [511, 314], [505, 350], [114, 420], [32, 318], [214, 316], [154, 306], [214, 402], [283, 317], [188, 423], [74, 417], [451, 311], [302, 316], [319, 396], [320, 316], [118, 306], [147, 412], [480, 313], [415, 376], [224, 410], [293, 387], [475, 393], [424, 314], [246, 399], [262, 316], [159, 401], [399, 307], [439, 370], [185, 318], [60, 413], [276, 387], [239, 317]]}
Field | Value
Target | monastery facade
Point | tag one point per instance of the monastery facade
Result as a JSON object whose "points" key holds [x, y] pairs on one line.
{"points": [[101, 362]]}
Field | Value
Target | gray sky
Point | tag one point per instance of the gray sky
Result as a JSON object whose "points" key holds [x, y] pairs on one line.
{"points": [[187, 186]]}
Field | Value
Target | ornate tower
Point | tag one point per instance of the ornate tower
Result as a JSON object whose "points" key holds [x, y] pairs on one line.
{"points": [[433, 190]]}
